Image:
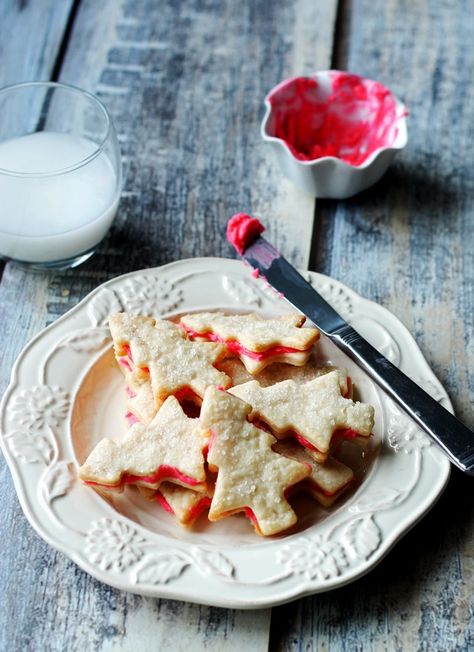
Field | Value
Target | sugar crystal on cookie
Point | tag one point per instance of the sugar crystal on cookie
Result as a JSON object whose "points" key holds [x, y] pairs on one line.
{"points": [[251, 477], [185, 504], [159, 351], [257, 341], [169, 448], [314, 411], [327, 481]]}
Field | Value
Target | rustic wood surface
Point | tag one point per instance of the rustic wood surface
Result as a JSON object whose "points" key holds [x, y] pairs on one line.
{"points": [[187, 102], [184, 82], [405, 244], [31, 34]]}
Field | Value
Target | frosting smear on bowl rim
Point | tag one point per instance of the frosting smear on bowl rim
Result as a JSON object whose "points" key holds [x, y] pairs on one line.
{"points": [[349, 118]]}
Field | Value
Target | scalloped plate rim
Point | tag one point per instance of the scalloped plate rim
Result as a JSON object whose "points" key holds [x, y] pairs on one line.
{"points": [[304, 588]]}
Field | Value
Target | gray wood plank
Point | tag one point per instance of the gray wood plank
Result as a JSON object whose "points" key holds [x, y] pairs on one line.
{"points": [[30, 38], [185, 83], [407, 243], [197, 91], [31, 34]]}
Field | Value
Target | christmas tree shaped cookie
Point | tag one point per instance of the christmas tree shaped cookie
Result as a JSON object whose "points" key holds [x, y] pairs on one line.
{"points": [[313, 412], [159, 352], [279, 371], [257, 341], [251, 477], [327, 481], [185, 504], [140, 403], [169, 448]]}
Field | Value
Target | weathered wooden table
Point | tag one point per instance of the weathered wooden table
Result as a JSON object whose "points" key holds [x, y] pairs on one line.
{"points": [[184, 82]]}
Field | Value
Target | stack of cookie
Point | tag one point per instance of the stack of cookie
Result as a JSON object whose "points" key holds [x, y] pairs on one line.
{"points": [[228, 413]]}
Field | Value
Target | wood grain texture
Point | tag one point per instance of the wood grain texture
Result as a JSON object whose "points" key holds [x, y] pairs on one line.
{"points": [[407, 243], [30, 37], [31, 34], [185, 83], [186, 93]]}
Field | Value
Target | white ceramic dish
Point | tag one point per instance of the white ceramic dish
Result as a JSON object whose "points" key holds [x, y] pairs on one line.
{"points": [[331, 177], [66, 393]]}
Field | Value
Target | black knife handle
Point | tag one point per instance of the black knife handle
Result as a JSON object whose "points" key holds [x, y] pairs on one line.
{"points": [[449, 433]]}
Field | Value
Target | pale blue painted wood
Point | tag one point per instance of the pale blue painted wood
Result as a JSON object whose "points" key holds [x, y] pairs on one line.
{"points": [[408, 243], [31, 32], [405, 243], [184, 83]]}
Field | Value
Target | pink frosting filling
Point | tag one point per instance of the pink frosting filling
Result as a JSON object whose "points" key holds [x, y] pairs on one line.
{"points": [[358, 117], [347, 433], [129, 392], [130, 418], [125, 363], [308, 484], [164, 503], [242, 230], [127, 359], [193, 512], [338, 434], [237, 349], [250, 514], [184, 393], [164, 472]]}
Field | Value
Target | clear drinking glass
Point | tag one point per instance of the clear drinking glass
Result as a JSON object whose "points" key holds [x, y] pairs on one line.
{"points": [[60, 174]]}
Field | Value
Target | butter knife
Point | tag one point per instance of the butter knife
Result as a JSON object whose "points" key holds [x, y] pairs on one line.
{"points": [[449, 433]]}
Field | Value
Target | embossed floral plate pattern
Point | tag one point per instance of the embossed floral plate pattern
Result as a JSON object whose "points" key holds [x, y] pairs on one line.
{"points": [[66, 393]]}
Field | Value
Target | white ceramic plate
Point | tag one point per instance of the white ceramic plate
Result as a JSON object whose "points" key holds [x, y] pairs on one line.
{"points": [[66, 393]]}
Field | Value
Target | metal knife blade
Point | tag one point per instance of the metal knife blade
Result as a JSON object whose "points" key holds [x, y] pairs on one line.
{"points": [[453, 437]]}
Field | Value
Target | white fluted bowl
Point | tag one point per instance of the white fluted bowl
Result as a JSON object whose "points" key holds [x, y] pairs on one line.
{"points": [[330, 176]]}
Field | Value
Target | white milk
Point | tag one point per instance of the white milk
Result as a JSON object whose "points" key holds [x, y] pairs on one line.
{"points": [[54, 217]]}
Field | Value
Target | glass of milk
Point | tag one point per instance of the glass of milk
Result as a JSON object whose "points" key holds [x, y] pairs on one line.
{"points": [[60, 174]]}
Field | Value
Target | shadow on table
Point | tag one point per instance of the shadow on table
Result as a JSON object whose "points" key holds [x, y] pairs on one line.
{"points": [[420, 576], [424, 199], [407, 185]]}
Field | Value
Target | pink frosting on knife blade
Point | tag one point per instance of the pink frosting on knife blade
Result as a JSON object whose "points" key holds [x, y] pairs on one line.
{"points": [[243, 230]]}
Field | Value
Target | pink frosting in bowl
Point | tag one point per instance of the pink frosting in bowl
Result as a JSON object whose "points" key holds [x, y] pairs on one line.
{"points": [[333, 132]]}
